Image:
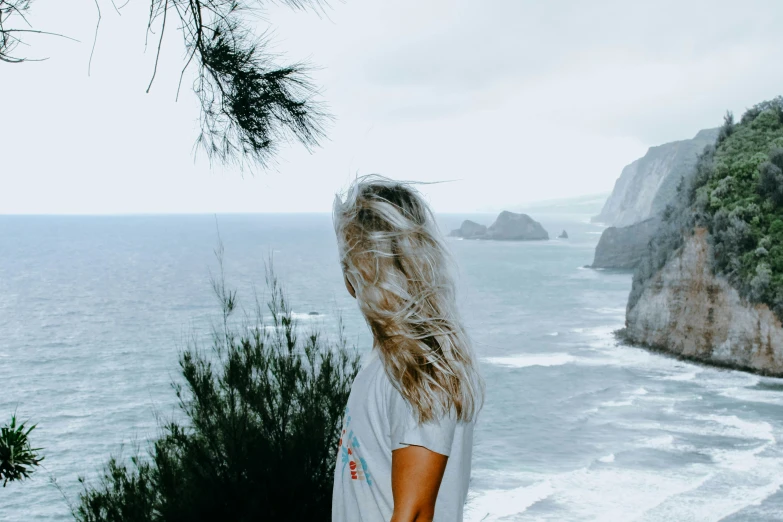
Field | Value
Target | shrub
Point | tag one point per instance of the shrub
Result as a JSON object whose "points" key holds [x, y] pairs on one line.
{"points": [[18, 459], [263, 410], [771, 178], [761, 282], [727, 129]]}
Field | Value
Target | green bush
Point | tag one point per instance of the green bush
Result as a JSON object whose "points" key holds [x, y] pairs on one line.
{"points": [[18, 459], [263, 410], [771, 178]]}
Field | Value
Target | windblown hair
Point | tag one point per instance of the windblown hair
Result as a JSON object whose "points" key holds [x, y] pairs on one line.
{"points": [[392, 253]]}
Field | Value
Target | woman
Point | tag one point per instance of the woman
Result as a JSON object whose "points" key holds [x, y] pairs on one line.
{"points": [[407, 437]]}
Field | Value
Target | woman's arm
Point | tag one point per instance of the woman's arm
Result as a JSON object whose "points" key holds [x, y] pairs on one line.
{"points": [[416, 476]]}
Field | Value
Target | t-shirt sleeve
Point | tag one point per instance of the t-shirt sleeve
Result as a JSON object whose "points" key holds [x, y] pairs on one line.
{"points": [[435, 435]]}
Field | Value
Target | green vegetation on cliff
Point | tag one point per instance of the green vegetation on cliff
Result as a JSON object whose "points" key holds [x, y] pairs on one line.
{"points": [[736, 193]]}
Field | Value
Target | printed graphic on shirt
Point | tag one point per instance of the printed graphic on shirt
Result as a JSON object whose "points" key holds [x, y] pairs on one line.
{"points": [[349, 449]]}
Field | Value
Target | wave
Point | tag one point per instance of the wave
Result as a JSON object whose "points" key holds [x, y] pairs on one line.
{"points": [[661, 442], [735, 481], [712, 425], [616, 404], [734, 426], [606, 310], [595, 493], [607, 491], [267, 327], [747, 395], [687, 376], [532, 359], [494, 504], [307, 316]]}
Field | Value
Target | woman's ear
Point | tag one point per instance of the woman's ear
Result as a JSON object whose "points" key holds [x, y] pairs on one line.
{"points": [[349, 286]]}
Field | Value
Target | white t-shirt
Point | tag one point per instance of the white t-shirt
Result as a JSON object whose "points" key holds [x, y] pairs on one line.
{"points": [[377, 421]]}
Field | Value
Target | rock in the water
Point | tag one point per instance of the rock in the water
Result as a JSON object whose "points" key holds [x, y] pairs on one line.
{"points": [[470, 230], [623, 248], [512, 226], [687, 310], [563, 235]]}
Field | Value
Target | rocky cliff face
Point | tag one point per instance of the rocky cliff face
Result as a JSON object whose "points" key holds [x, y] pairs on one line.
{"points": [[624, 247], [686, 310], [648, 184]]}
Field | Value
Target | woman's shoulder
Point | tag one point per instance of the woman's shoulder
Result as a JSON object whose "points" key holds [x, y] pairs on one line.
{"points": [[372, 375]]}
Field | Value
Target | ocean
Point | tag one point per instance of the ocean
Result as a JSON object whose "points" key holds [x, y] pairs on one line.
{"points": [[576, 427]]}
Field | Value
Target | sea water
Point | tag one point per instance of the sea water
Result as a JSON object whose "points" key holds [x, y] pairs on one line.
{"points": [[94, 312]]}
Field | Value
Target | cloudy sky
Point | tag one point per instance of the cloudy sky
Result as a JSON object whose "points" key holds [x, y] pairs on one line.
{"points": [[504, 101]]}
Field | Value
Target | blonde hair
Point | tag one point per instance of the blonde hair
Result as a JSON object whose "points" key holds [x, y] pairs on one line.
{"points": [[392, 253]]}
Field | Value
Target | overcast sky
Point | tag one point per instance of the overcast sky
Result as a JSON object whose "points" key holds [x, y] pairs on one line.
{"points": [[507, 101]]}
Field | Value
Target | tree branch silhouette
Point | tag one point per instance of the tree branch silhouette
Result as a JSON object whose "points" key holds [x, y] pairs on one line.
{"points": [[249, 103]]}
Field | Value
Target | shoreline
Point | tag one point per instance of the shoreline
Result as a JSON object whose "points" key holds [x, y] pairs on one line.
{"points": [[622, 338]]}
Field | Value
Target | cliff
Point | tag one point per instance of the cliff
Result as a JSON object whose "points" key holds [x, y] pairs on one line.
{"points": [[648, 184], [710, 284], [624, 247], [686, 310]]}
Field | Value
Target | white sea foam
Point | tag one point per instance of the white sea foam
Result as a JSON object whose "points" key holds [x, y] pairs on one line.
{"points": [[507, 477], [662, 442], [553, 334], [603, 333], [605, 310], [598, 493], [531, 359], [708, 425], [751, 395], [494, 504], [732, 425], [737, 479], [617, 404], [730, 481], [687, 376], [267, 327], [306, 316]]}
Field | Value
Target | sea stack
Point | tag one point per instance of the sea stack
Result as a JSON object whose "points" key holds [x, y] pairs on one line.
{"points": [[470, 230], [510, 226], [563, 235]]}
